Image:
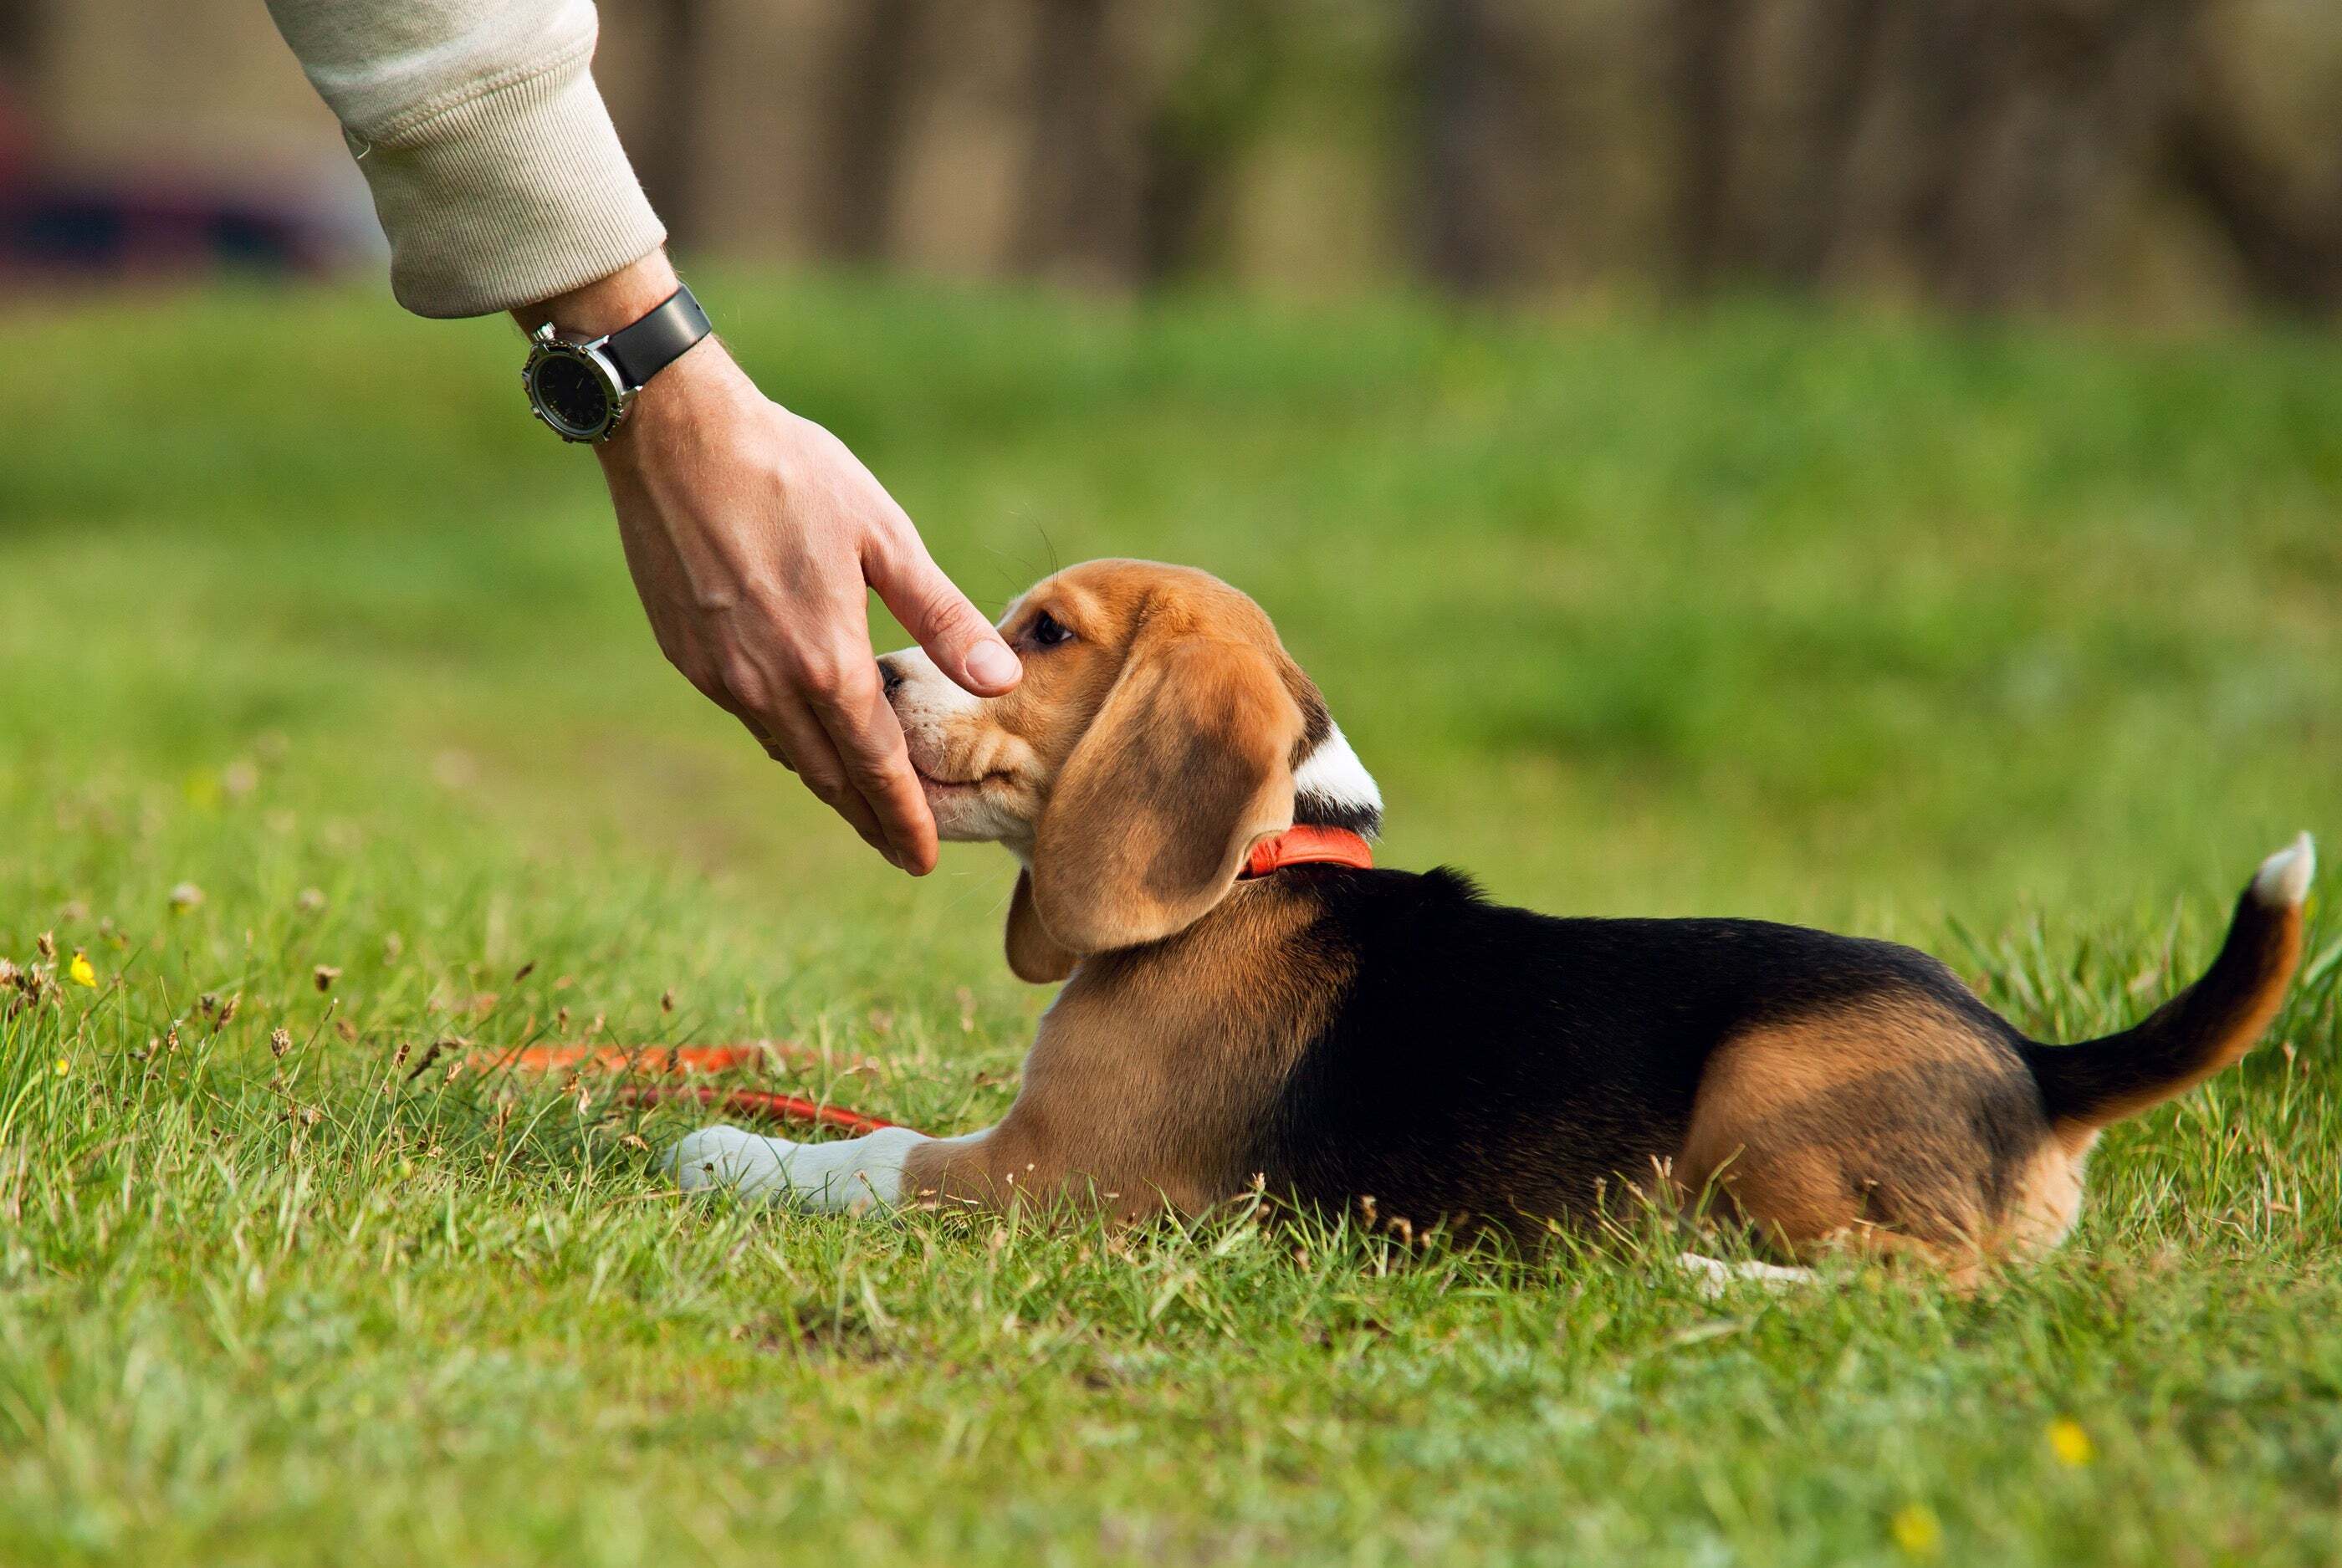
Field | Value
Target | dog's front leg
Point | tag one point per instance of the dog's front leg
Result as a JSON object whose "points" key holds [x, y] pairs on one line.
{"points": [[852, 1176]]}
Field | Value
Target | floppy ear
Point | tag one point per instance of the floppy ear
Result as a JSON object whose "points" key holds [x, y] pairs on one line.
{"points": [[1187, 764], [1032, 954]]}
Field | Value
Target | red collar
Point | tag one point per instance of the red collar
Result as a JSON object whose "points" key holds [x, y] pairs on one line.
{"points": [[1307, 845]]}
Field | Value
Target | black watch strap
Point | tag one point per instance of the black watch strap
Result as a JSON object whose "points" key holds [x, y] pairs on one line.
{"points": [[641, 351]]}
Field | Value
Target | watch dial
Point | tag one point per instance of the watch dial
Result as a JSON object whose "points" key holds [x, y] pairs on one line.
{"points": [[570, 391]]}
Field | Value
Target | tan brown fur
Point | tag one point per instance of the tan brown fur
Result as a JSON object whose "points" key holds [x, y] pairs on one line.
{"points": [[2048, 1201], [1148, 1069], [1185, 765], [1034, 955], [1852, 1128]]}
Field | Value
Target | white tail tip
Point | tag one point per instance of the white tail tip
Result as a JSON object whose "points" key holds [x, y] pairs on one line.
{"points": [[2283, 877]]}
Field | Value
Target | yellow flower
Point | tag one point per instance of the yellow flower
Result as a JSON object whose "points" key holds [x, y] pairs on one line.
{"points": [[2070, 1443], [63, 1067], [1918, 1530], [80, 973]]}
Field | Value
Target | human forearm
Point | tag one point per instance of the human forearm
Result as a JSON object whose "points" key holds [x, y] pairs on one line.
{"points": [[495, 168]]}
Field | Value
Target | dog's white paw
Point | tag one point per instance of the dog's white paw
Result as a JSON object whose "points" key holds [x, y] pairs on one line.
{"points": [[749, 1164], [1711, 1277]]}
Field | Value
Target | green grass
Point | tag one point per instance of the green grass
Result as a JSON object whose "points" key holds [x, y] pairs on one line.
{"points": [[2023, 647]]}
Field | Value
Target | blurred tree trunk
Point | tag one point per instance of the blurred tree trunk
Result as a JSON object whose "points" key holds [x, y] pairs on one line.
{"points": [[2290, 253], [1490, 139], [1950, 75], [1204, 118], [1459, 237], [1707, 38], [667, 158], [1074, 196], [1841, 42], [1182, 168], [2031, 116], [869, 92], [19, 35]]}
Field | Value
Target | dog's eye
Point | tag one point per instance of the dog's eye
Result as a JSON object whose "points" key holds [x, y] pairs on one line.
{"points": [[1048, 631]]}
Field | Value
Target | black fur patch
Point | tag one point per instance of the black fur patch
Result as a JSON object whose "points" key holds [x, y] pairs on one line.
{"points": [[1493, 1066], [1316, 811]]}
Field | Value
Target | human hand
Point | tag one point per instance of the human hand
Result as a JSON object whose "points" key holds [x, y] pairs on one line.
{"points": [[753, 537]]}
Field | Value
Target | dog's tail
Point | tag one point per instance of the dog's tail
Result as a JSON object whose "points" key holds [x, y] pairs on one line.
{"points": [[2206, 1027]]}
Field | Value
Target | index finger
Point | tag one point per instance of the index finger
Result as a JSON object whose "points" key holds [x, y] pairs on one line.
{"points": [[862, 725], [792, 738]]}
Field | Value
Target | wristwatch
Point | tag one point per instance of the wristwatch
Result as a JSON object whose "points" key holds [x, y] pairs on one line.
{"points": [[584, 389]]}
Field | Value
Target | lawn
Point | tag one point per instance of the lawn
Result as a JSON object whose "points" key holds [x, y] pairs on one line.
{"points": [[322, 694]]}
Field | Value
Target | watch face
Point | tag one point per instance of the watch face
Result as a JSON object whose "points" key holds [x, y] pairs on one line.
{"points": [[572, 393]]}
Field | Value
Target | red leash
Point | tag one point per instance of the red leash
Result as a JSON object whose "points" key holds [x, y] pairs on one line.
{"points": [[1299, 846], [760, 1104]]}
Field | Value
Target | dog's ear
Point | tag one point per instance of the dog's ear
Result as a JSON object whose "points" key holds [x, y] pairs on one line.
{"points": [[1188, 763], [1032, 954]]}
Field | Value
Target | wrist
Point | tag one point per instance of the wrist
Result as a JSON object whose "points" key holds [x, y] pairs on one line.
{"points": [[699, 390], [596, 353], [607, 304]]}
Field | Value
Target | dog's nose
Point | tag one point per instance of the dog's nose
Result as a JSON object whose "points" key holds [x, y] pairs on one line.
{"points": [[891, 673]]}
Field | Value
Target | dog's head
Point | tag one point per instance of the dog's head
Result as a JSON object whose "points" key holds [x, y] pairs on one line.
{"points": [[1159, 732]]}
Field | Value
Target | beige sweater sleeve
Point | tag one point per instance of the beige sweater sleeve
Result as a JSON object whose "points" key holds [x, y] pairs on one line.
{"points": [[494, 165]]}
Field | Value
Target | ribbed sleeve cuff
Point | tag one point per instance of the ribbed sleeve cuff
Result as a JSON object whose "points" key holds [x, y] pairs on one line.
{"points": [[508, 198]]}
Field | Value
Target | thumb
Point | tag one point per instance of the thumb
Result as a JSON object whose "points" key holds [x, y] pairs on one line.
{"points": [[940, 618]]}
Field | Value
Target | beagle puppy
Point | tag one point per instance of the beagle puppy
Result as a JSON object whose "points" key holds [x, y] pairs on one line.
{"points": [[1246, 999]]}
